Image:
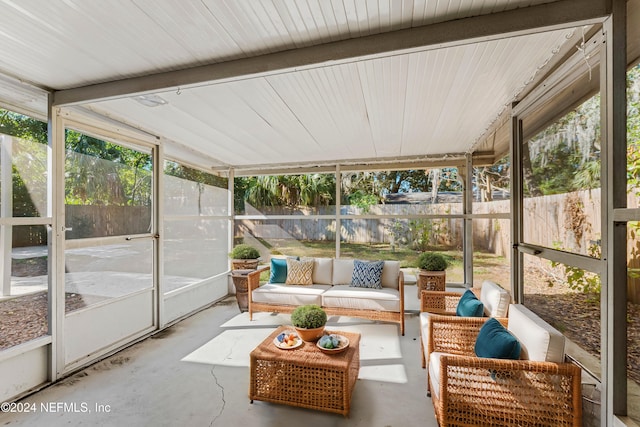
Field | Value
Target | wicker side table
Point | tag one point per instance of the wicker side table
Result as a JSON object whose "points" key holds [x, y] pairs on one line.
{"points": [[431, 281], [305, 377]]}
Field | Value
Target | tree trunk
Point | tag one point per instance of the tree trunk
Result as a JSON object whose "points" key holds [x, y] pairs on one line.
{"points": [[529, 180]]}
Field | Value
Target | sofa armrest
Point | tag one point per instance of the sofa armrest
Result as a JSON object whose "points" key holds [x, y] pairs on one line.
{"points": [[253, 278], [454, 334], [509, 391]]}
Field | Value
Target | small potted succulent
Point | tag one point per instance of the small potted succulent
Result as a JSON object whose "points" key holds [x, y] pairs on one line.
{"points": [[309, 321], [245, 257], [432, 275]]}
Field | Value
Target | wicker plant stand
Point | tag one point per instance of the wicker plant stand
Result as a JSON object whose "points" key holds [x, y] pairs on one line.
{"points": [[241, 283], [431, 281], [305, 377]]}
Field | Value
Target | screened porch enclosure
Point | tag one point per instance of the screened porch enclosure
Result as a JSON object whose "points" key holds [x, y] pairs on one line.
{"points": [[493, 135]]}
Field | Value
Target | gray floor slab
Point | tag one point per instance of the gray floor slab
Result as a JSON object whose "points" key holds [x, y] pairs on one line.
{"points": [[149, 384]]}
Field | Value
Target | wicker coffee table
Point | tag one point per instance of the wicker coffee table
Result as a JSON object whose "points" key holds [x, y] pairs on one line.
{"points": [[304, 376]]}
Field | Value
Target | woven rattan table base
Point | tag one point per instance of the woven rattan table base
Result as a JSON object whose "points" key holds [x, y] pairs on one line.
{"points": [[305, 377]]}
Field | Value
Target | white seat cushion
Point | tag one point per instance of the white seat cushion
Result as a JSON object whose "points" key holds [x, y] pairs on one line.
{"points": [[540, 341], [496, 299], [281, 294], [345, 296]]}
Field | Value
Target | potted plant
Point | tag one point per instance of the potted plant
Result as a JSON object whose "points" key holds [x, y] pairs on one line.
{"points": [[309, 321], [244, 256], [244, 260], [432, 275]]}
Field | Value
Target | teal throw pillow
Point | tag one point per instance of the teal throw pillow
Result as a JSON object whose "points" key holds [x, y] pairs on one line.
{"points": [[469, 305], [367, 274], [278, 270], [496, 342]]}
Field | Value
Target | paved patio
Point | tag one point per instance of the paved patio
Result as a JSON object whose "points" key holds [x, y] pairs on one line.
{"points": [[196, 373]]}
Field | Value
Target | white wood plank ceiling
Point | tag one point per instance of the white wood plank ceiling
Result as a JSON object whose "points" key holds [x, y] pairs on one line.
{"points": [[399, 105]]}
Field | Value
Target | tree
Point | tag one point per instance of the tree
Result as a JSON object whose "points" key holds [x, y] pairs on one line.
{"points": [[21, 126], [565, 156], [380, 184], [102, 172], [311, 190], [31, 164], [490, 178]]}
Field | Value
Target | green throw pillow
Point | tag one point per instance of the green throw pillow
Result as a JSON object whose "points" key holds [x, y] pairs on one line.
{"points": [[496, 342], [469, 305]]}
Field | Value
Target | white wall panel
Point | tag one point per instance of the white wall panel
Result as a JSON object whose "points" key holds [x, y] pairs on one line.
{"points": [[23, 372], [187, 300], [86, 332]]}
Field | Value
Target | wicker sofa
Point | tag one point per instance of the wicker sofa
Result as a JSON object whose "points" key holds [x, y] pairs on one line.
{"points": [[540, 389], [332, 291]]}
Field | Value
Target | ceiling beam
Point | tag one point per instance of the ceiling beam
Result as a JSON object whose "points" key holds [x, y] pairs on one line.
{"points": [[511, 23], [385, 164]]}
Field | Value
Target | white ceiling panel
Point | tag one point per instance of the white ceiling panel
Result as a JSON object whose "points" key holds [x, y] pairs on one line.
{"points": [[63, 44], [435, 102], [23, 98], [399, 104]]}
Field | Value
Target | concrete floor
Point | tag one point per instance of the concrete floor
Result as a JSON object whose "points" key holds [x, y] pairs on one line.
{"points": [[149, 384]]}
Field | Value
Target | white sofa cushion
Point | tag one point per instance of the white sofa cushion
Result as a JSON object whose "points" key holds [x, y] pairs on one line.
{"points": [[342, 271], [345, 296], [390, 273], [323, 271], [496, 299], [281, 294], [540, 341]]}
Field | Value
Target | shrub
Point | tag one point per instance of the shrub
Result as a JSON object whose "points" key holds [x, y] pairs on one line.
{"points": [[432, 261], [308, 317], [244, 251]]}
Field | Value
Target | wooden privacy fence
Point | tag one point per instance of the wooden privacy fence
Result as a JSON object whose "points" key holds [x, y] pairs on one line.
{"points": [[86, 221], [352, 230], [569, 221]]}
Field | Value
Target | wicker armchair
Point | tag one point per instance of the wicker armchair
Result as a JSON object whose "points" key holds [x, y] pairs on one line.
{"points": [[467, 390], [495, 299]]}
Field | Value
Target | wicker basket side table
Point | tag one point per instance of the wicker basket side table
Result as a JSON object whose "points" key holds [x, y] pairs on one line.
{"points": [[305, 377]]}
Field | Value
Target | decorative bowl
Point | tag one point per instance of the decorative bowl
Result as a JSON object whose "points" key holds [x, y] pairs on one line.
{"points": [[283, 343], [343, 344]]}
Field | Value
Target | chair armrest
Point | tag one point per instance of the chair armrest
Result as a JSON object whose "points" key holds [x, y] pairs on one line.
{"points": [[511, 391], [454, 334]]}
